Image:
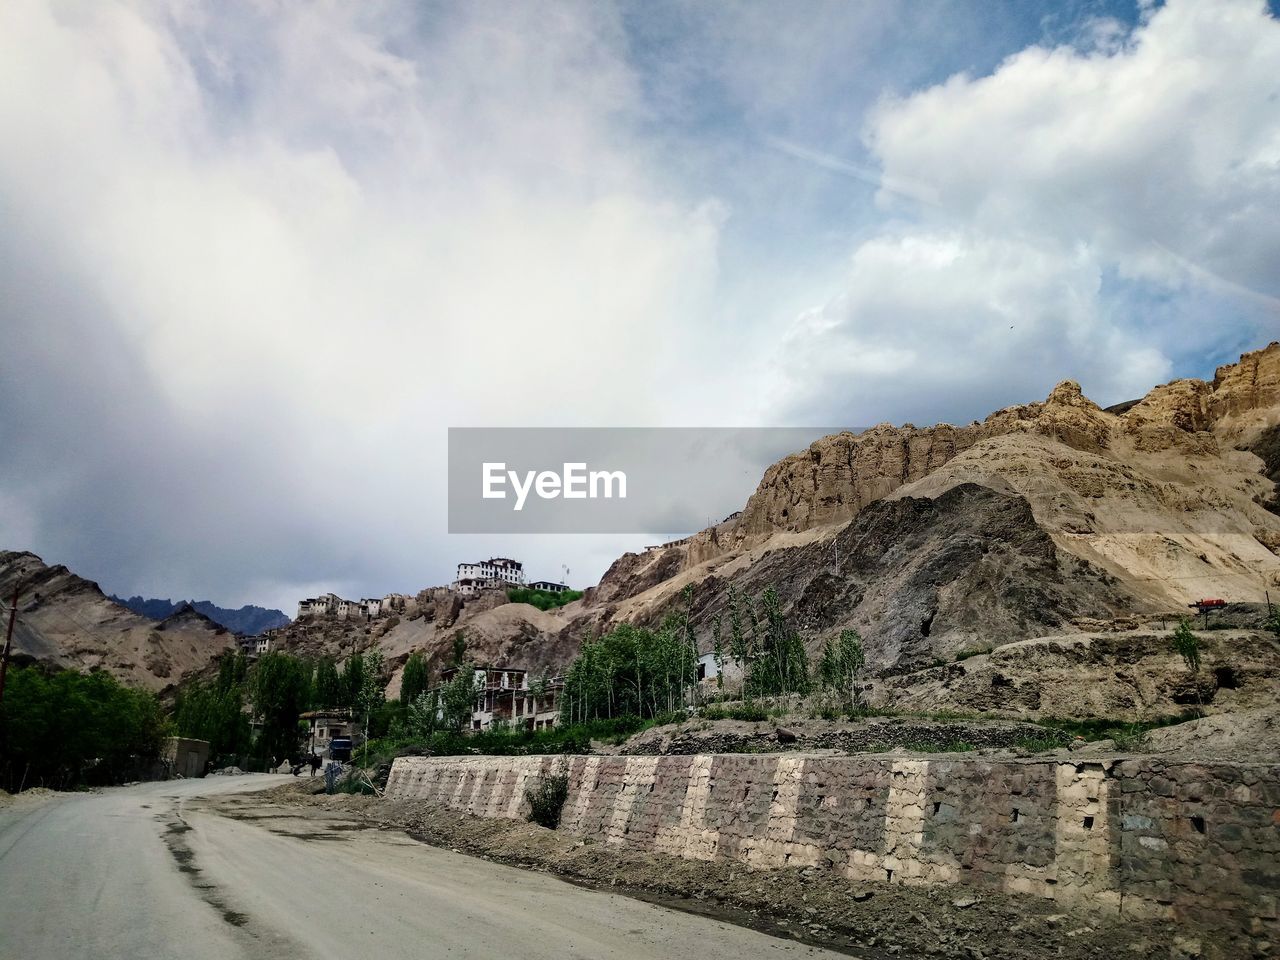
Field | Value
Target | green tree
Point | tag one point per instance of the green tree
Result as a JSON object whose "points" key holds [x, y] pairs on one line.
{"points": [[739, 642], [352, 680], [329, 689], [215, 712], [459, 648], [782, 664], [842, 664], [1187, 645], [280, 689], [717, 635], [457, 699], [421, 716], [65, 728], [413, 682], [372, 692]]}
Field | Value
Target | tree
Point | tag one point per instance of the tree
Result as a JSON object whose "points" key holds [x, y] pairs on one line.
{"points": [[717, 634], [329, 691], [67, 728], [459, 648], [457, 699], [372, 693], [782, 664], [739, 644], [420, 718], [413, 681], [1187, 645], [841, 666], [215, 712], [352, 680], [280, 689]]}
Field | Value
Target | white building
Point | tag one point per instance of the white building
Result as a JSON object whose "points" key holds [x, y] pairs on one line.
{"points": [[317, 606], [495, 568], [548, 586]]}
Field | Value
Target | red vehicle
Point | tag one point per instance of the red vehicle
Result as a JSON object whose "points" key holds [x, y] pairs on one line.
{"points": [[1208, 604]]}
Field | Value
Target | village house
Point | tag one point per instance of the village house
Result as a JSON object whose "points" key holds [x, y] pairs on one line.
{"points": [[330, 604], [547, 586], [257, 646], [325, 725], [505, 696]]}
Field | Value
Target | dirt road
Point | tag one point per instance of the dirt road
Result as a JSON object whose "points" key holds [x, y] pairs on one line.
{"points": [[156, 871]]}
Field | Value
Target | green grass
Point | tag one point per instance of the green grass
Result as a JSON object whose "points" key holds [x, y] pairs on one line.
{"points": [[975, 652], [744, 711]]}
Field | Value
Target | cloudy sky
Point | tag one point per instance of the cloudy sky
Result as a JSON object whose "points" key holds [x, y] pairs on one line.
{"points": [[256, 258]]}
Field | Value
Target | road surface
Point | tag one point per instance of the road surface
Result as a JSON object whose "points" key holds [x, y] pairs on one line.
{"points": [[154, 871]]}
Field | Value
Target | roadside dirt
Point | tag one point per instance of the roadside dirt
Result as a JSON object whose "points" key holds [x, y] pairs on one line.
{"points": [[874, 921]]}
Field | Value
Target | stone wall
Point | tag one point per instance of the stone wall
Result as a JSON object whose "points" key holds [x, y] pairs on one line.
{"points": [[1140, 837]]}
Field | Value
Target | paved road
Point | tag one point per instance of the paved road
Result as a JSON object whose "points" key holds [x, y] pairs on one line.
{"points": [[157, 871]]}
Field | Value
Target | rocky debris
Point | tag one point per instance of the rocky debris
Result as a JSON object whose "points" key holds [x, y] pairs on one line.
{"points": [[873, 735], [232, 771], [1243, 735], [1128, 675]]}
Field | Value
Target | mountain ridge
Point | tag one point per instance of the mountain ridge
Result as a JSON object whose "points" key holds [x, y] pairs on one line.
{"points": [[249, 620]]}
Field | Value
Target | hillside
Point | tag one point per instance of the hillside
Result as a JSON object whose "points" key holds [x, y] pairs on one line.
{"points": [[1137, 511], [66, 621], [1045, 520], [249, 620]]}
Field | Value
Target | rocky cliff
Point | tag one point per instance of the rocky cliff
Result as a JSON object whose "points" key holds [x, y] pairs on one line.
{"points": [[1138, 509]]}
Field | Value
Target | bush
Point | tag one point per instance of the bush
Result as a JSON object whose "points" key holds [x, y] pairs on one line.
{"points": [[546, 801], [543, 599]]}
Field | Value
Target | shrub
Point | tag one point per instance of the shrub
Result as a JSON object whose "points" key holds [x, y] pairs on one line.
{"points": [[543, 599], [546, 800], [738, 711]]}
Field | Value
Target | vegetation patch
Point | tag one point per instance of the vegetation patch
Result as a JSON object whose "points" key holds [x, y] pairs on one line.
{"points": [[543, 599], [546, 800]]}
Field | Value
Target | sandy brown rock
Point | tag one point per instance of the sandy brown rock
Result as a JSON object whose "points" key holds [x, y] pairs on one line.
{"points": [[66, 621]]}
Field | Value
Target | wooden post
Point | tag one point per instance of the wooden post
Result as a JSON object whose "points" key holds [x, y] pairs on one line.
{"points": [[8, 641]]}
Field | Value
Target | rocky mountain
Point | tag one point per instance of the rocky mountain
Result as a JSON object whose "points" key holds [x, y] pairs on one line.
{"points": [[1143, 510], [66, 621], [1049, 519], [1046, 519], [248, 620]]}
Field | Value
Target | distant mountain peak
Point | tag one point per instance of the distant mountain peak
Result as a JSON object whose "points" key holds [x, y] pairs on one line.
{"points": [[249, 620]]}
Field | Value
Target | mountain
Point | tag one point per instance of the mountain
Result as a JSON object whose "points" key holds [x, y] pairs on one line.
{"points": [[248, 621], [66, 621], [1054, 518]]}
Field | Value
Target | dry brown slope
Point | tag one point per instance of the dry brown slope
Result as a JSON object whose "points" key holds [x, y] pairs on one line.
{"points": [[1161, 494], [66, 621]]}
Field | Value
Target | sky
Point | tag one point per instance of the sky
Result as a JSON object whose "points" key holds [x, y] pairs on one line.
{"points": [[257, 257]]}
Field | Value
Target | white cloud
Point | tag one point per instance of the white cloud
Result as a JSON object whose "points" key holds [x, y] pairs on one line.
{"points": [[315, 236], [1061, 180]]}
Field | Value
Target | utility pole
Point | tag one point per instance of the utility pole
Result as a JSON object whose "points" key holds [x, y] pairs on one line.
{"points": [[8, 641]]}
